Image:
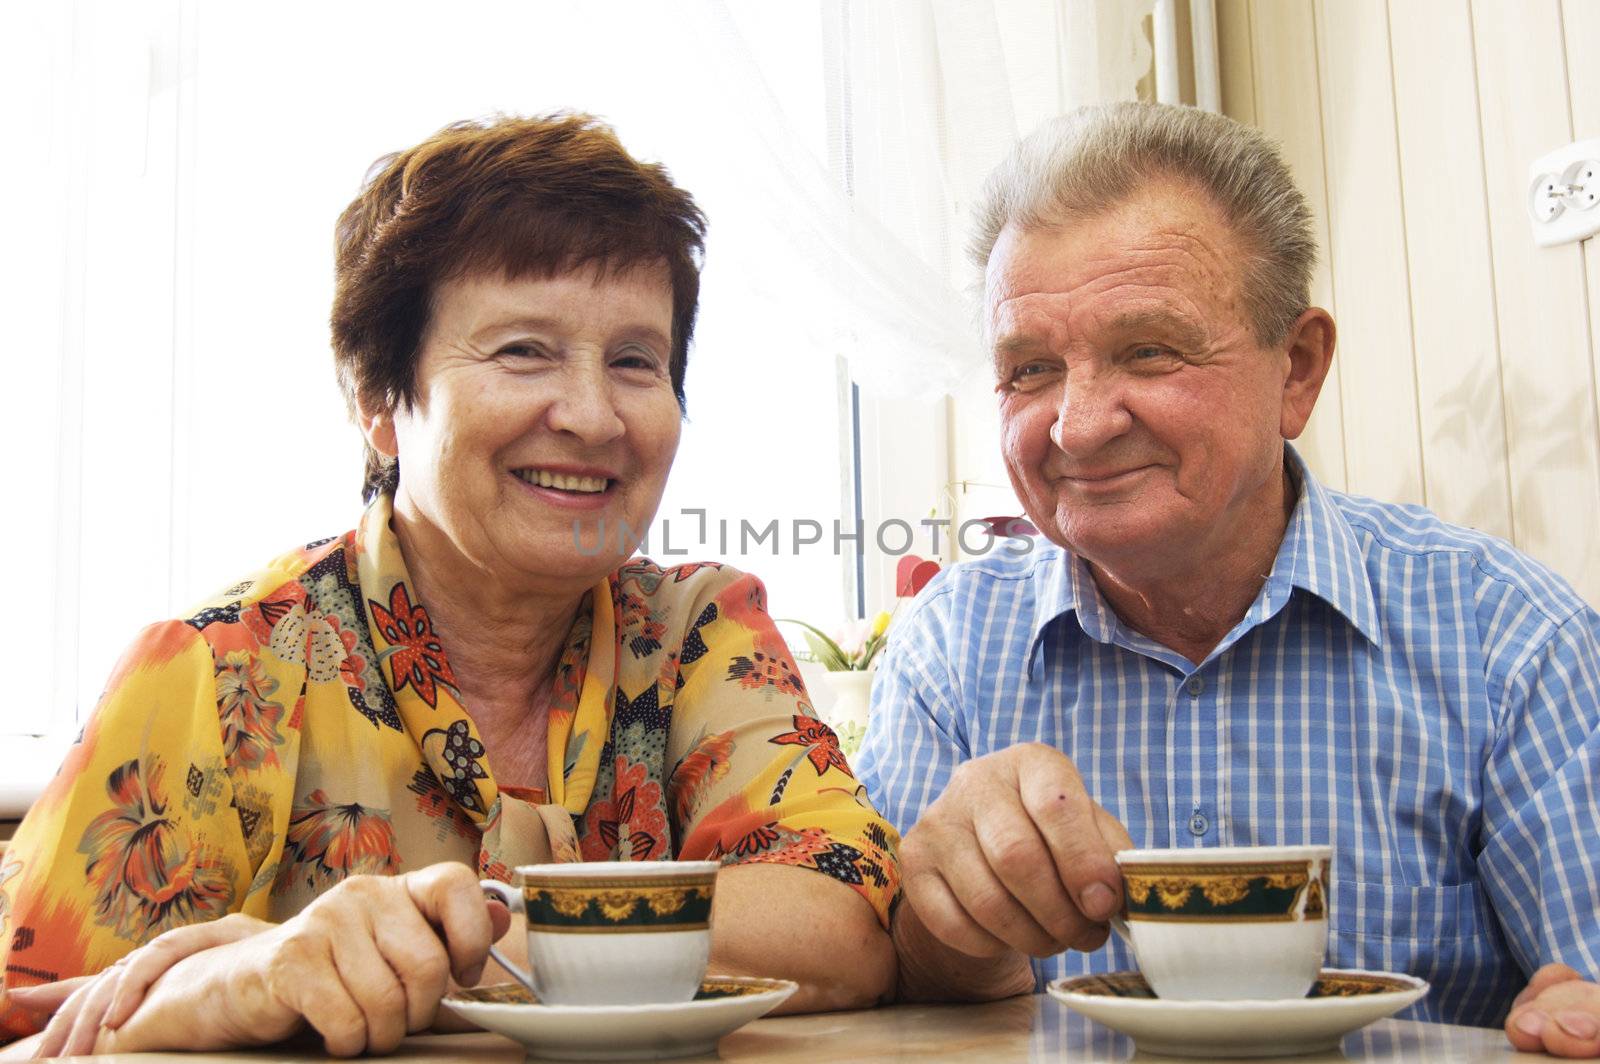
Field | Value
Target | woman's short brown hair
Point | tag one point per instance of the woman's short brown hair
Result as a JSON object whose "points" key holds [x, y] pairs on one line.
{"points": [[516, 196]]}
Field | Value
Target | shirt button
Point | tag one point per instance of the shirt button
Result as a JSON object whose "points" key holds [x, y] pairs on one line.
{"points": [[1198, 824], [1195, 686]]}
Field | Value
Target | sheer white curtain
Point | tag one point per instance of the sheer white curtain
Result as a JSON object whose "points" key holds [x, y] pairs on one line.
{"points": [[924, 98]]}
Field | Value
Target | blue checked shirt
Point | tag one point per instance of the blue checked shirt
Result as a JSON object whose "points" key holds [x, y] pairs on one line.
{"points": [[1422, 697]]}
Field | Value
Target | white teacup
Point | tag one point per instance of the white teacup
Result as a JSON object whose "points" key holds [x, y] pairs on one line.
{"points": [[1227, 923], [613, 932]]}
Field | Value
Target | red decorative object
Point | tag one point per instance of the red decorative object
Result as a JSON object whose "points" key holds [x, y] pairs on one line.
{"points": [[912, 574]]}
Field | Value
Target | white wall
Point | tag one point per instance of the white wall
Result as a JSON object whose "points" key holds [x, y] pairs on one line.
{"points": [[1465, 378]]}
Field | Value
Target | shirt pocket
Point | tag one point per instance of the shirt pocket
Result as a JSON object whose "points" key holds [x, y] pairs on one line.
{"points": [[1397, 912], [1425, 931]]}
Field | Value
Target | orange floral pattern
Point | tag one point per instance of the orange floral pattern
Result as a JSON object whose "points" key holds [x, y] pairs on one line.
{"points": [[415, 655], [147, 873], [306, 725]]}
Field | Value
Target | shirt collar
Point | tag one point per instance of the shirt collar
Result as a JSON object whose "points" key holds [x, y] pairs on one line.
{"points": [[1319, 554], [1322, 555]]}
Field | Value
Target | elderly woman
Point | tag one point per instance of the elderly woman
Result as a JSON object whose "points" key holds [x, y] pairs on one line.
{"points": [[333, 750]]}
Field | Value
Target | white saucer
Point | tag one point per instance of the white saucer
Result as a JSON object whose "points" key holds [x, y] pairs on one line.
{"points": [[1341, 1001], [621, 1032]]}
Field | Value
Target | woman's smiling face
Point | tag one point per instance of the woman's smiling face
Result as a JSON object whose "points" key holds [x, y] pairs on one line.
{"points": [[544, 413]]}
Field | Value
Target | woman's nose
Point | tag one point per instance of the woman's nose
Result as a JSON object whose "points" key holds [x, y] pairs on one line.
{"points": [[585, 405]]}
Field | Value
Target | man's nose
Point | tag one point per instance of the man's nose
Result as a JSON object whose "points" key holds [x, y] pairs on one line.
{"points": [[586, 404], [1093, 412]]}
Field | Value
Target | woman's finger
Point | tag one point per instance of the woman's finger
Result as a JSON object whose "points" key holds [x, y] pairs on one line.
{"points": [[47, 997], [96, 1000], [413, 951], [373, 985], [448, 897], [304, 987], [150, 962], [60, 1026]]}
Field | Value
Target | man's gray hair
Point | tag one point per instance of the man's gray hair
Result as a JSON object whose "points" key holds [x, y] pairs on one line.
{"points": [[1094, 158]]}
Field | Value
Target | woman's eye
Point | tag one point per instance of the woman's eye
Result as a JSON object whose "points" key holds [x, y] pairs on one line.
{"points": [[636, 358], [521, 350]]}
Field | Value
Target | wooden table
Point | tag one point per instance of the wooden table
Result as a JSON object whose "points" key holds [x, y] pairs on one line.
{"points": [[1032, 1028]]}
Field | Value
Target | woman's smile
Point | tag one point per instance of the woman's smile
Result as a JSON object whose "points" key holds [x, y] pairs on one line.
{"points": [[563, 487]]}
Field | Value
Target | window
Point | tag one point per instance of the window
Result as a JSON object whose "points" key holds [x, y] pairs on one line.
{"points": [[175, 421]]}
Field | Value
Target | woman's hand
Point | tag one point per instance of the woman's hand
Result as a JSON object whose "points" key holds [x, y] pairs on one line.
{"points": [[363, 965], [83, 1005]]}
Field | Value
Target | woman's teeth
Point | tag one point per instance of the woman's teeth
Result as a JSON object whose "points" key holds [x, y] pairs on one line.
{"points": [[562, 482]]}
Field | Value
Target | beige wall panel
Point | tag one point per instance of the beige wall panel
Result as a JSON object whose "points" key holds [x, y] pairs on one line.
{"points": [[1284, 46], [1452, 282], [1235, 65], [1581, 20], [1367, 251], [1542, 296]]}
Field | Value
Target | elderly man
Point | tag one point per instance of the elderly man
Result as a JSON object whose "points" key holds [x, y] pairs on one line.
{"points": [[1216, 649]]}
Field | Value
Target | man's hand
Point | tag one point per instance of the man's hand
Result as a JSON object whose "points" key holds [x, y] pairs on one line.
{"points": [[1014, 858], [363, 965], [1559, 1013]]}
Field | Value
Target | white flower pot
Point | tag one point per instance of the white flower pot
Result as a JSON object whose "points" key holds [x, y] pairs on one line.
{"points": [[852, 692]]}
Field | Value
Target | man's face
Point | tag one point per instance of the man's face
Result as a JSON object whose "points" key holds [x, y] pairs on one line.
{"points": [[1140, 420]]}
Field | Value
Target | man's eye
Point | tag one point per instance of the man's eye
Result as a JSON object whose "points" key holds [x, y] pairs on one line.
{"points": [[1149, 353], [1030, 375]]}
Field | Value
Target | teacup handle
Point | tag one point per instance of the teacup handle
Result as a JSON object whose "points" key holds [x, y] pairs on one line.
{"points": [[1120, 926], [512, 899]]}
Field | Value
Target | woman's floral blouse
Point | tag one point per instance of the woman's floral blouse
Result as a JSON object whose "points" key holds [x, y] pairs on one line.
{"points": [[304, 727]]}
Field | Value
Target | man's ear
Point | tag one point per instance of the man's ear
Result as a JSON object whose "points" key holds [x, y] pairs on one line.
{"points": [[378, 428], [1309, 347]]}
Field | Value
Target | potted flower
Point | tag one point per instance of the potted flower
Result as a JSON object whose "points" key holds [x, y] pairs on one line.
{"points": [[849, 654]]}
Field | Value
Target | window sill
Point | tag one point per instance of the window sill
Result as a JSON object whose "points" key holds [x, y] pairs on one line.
{"points": [[27, 764]]}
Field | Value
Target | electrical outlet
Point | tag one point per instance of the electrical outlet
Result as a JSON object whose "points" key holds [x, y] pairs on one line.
{"points": [[1564, 194]]}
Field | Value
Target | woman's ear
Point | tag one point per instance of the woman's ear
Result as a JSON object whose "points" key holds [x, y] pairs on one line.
{"points": [[1309, 347], [378, 428]]}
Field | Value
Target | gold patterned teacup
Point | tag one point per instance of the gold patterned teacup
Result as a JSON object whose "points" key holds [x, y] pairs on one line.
{"points": [[613, 932], [1227, 923]]}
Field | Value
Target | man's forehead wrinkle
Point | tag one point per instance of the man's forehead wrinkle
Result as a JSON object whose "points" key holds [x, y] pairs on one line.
{"points": [[1030, 320], [1169, 264]]}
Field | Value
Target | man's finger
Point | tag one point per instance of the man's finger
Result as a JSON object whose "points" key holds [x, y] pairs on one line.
{"points": [[937, 909], [1054, 796], [1564, 1020], [992, 907], [1019, 859], [1112, 831], [449, 898], [1545, 977]]}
